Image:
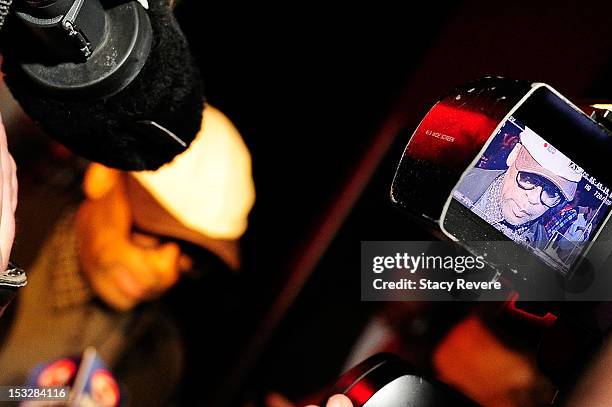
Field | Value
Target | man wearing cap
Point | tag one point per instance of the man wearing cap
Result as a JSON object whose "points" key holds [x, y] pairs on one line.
{"points": [[538, 178], [123, 247]]}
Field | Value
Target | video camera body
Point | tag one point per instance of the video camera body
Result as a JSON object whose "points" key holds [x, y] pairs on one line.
{"points": [[499, 161], [515, 173]]}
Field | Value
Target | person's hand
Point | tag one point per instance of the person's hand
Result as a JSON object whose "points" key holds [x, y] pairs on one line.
{"points": [[124, 268], [338, 400], [8, 200]]}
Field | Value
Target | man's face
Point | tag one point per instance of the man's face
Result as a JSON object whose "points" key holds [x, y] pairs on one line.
{"points": [[520, 206], [124, 268]]}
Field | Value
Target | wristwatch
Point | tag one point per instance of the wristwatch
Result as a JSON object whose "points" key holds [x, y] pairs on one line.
{"points": [[10, 280], [13, 276]]}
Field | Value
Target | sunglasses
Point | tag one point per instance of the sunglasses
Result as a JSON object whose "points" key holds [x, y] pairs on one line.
{"points": [[550, 195]]}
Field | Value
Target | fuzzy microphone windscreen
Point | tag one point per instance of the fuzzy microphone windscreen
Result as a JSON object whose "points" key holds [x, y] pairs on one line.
{"points": [[168, 91]]}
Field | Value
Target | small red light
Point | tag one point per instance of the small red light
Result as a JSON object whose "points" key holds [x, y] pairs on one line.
{"points": [[361, 392]]}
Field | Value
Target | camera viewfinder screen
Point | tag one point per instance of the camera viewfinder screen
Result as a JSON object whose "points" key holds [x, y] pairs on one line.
{"points": [[535, 195]]}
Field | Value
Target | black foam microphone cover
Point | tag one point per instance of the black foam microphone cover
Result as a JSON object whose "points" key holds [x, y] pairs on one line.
{"points": [[134, 129]]}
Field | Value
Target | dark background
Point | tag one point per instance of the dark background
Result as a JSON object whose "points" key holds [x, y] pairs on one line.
{"points": [[326, 97], [320, 94]]}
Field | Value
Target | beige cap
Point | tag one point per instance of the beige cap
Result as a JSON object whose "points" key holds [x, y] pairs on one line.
{"points": [[539, 157], [208, 188]]}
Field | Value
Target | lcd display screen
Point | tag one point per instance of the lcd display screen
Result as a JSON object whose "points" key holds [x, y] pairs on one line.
{"points": [[534, 194]]}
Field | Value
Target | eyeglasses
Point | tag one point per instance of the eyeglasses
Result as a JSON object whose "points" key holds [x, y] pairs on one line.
{"points": [[550, 195]]}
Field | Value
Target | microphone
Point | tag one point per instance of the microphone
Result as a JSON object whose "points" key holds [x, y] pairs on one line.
{"points": [[114, 82]]}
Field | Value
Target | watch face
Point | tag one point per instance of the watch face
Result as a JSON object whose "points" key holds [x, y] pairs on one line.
{"points": [[541, 180]]}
